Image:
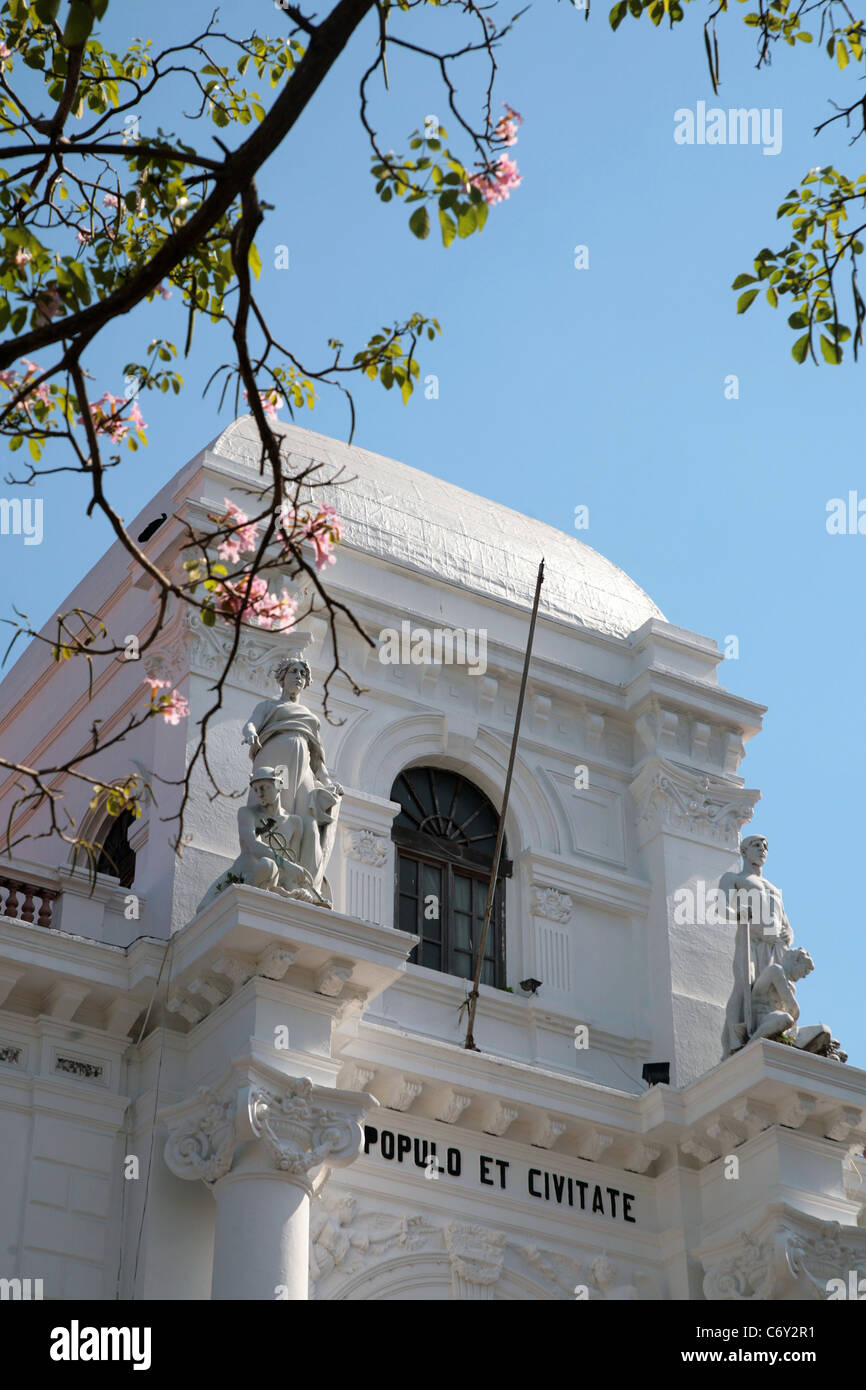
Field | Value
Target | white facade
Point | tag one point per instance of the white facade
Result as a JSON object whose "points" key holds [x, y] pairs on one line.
{"points": [[563, 1175]]}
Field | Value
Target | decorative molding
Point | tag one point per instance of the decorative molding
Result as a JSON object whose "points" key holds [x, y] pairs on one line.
{"points": [[640, 1156], [789, 1256], [206, 990], [299, 1126], [73, 1066], [64, 999], [546, 1131], [398, 1092], [178, 1003], [696, 1146], [333, 976], [357, 1077], [592, 1144], [746, 1275], [498, 1117], [10, 1055], [203, 1147], [275, 960], [451, 1106], [841, 1123], [367, 846], [795, 1110], [476, 1255], [669, 797], [549, 902], [238, 971], [298, 1133]]}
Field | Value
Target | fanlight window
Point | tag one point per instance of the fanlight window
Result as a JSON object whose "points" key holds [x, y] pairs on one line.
{"points": [[445, 836]]}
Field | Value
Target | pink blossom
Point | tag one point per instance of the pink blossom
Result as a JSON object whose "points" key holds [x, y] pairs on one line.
{"points": [[105, 414], [161, 290], [83, 236], [172, 707], [10, 378], [498, 183], [271, 402], [22, 256], [110, 200], [4, 52], [243, 539], [176, 709], [252, 600], [506, 130], [325, 531]]}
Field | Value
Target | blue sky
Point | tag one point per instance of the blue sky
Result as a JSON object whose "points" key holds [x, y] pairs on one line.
{"points": [[603, 386]]}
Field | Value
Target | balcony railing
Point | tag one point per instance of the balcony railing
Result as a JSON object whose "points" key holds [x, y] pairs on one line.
{"points": [[27, 902]]}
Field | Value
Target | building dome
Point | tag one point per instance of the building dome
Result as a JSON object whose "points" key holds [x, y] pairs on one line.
{"points": [[410, 518]]}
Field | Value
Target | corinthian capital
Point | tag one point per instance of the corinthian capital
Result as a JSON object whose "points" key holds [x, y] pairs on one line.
{"points": [[298, 1126], [299, 1132], [202, 1142]]}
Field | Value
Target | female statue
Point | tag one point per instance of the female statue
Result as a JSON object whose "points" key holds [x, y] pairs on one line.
{"points": [[284, 735]]}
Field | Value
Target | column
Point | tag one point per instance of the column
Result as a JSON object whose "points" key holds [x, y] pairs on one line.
{"points": [[259, 1141]]}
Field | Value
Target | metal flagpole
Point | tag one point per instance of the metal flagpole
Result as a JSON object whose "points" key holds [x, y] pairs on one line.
{"points": [[500, 834]]}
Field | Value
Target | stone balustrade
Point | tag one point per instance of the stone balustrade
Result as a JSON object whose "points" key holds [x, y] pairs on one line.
{"points": [[24, 901]]}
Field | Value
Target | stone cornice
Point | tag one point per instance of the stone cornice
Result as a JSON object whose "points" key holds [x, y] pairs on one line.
{"points": [[246, 931], [693, 1127]]}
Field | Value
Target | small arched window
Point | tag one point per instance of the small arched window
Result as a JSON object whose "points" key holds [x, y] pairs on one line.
{"points": [[117, 857], [445, 836]]}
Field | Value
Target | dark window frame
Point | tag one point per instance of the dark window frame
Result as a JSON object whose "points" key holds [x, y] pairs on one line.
{"points": [[116, 855], [448, 862]]}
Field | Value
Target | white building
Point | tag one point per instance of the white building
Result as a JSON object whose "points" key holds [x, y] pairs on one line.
{"points": [[134, 1049]]}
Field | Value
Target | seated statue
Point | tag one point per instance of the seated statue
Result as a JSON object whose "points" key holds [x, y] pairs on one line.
{"points": [[269, 840], [775, 1009]]}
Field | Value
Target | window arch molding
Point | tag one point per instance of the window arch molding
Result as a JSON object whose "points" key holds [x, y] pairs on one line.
{"points": [[372, 757], [444, 837], [116, 857]]}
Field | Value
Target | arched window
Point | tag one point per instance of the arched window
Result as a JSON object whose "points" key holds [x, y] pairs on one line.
{"points": [[445, 836], [117, 857]]}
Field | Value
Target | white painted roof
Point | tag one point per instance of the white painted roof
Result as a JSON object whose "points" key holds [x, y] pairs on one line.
{"points": [[410, 518]]}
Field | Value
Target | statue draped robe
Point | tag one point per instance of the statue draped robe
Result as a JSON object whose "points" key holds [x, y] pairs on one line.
{"points": [[289, 736]]}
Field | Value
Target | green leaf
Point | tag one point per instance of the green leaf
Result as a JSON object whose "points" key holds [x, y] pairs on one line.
{"points": [[255, 261], [772, 298], [449, 227], [47, 10], [617, 14], [745, 300], [800, 348], [831, 352], [208, 617], [742, 280], [841, 54], [79, 23], [419, 222]]}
